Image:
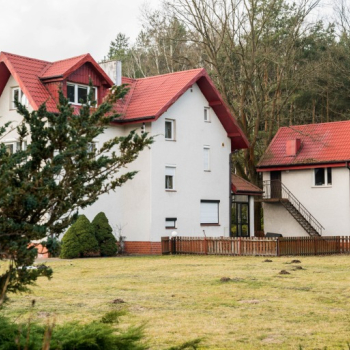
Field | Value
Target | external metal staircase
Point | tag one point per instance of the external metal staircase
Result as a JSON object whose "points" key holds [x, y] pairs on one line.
{"points": [[276, 191]]}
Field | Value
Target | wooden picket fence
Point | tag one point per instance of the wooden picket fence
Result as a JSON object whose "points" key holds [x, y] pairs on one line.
{"points": [[256, 246]]}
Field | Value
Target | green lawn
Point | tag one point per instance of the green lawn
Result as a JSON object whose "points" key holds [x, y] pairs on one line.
{"points": [[182, 298]]}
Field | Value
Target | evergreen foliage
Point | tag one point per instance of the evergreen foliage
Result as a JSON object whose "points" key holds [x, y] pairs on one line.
{"points": [[104, 235], [44, 185], [79, 240], [75, 336], [53, 245]]}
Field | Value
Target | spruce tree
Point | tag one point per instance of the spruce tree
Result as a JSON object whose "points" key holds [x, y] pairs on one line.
{"points": [[104, 235]]}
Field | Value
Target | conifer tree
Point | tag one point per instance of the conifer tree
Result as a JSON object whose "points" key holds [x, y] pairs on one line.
{"points": [[104, 235], [79, 240], [44, 185]]}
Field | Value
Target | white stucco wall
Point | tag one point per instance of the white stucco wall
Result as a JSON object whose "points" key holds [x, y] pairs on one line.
{"points": [[330, 205], [193, 184], [142, 204], [7, 114]]}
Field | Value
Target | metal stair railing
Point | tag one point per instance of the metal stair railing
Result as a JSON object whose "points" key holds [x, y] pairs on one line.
{"points": [[276, 189]]}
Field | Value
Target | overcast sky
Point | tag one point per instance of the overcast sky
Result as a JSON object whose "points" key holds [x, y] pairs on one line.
{"points": [[56, 29]]}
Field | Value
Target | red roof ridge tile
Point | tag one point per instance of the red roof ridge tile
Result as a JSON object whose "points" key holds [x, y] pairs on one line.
{"points": [[172, 74], [25, 57]]}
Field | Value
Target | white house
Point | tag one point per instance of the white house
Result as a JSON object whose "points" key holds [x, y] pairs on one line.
{"points": [[307, 180], [183, 183]]}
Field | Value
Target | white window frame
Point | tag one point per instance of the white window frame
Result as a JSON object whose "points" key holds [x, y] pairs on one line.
{"points": [[93, 145], [170, 223], [15, 145], [76, 86], [20, 95], [209, 212], [206, 158], [170, 172], [325, 175], [172, 123], [206, 115]]}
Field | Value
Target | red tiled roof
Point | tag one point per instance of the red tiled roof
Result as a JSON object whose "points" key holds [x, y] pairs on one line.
{"points": [[59, 68], [150, 97], [320, 143], [147, 99], [241, 186], [29, 73], [26, 71]]}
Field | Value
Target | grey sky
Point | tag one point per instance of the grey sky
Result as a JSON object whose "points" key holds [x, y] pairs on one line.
{"points": [[57, 29]]}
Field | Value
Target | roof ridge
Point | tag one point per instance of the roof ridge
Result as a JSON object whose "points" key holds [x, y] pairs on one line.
{"points": [[173, 73], [26, 57], [323, 123], [71, 58]]}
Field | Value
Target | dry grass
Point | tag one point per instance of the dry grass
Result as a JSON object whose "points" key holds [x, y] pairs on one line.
{"points": [[183, 297]]}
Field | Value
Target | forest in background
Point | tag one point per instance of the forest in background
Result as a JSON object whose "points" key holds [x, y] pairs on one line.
{"points": [[273, 63]]}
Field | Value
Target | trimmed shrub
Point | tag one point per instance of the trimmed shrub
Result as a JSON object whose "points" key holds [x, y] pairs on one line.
{"points": [[104, 235], [79, 240]]}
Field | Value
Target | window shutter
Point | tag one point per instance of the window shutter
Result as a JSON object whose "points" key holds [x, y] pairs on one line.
{"points": [[209, 212], [170, 170]]}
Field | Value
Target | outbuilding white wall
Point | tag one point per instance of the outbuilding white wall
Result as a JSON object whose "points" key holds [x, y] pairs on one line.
{"points": [[330, 205]]}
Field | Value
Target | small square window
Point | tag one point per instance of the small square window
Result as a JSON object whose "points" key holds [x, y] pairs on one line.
{"points": [[323, 176], [92, 146], [10, 148], [170, 222], [170, 177], [206, 114], [169, 130]]}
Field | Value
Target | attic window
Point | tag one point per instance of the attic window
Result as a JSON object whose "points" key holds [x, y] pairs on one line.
{"points": [[78, 94], [16, 94]]}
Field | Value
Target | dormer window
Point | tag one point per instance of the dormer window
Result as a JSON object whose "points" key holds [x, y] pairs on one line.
{"points": [[78, 94], [16, 94]]}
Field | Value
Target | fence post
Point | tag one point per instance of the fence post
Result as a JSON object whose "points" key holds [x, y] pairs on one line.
{"points": [[173, 245], [205, 246], [315, 245], [239, 246], [277, 246]]}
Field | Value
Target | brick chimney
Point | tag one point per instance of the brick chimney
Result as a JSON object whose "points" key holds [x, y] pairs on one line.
{"points": [[293, 147]]}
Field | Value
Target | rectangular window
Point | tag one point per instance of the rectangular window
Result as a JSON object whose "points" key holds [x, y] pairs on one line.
{"points": [[170, 177], [82, 94], [16, 95], [323, 176], [14, 146], [206, 158], [206, 114], [78, 94], [170, 222], [169, 130], [209, 212], [71, 93]]}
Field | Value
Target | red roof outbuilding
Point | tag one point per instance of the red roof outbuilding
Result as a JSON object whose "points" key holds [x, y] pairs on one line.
{"points": [[308, 146]]}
